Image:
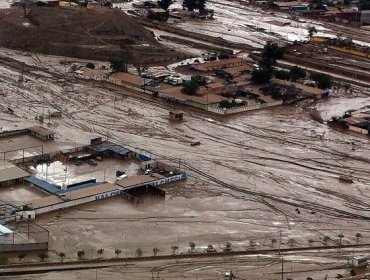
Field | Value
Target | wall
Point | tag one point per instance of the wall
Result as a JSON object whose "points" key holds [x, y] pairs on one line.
{"points": [[243, 108], [23, 247], [358, 129], [14, 132]]}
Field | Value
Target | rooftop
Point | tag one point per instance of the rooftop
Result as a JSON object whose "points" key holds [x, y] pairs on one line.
{"points": [[238, 69], [175, 92], [42, 130], [304, 88], [218, 63], [9, 171], [135, 180], [128, 78]]}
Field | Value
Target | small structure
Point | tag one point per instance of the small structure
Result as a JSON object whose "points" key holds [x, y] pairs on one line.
{"points": [[220, 64], [129, 81], [359, 261], [42, 133], [11, 174], [149, 164], [176, 115], [158, 14]]}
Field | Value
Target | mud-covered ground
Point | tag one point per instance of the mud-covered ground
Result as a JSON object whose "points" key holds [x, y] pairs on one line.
{"points": [[253, 176]]}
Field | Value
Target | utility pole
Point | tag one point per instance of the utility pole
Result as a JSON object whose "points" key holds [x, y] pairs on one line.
{"points": [[282, 268], [279, 241]]}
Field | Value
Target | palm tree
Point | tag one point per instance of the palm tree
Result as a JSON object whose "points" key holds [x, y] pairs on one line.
{"points": [[139, 252], [311, 30], [174, 249], [80, 254], [61, 255], [358, 236], [155, 251], [192, 246], [340, 236], [100, 252], [117, 252], [43, 256]]}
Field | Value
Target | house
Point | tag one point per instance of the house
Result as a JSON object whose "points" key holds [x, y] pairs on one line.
{"points": [[42, 133], [129, 81], [157, 14], [92, 74], [211, 88], [234, 72], [365, 17], [348, 16], [293, 6], [220, 64], [176, 115], [11, 174]]}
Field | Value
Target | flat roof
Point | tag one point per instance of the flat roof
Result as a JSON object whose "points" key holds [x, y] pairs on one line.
{"points": [[175, 92], [216, 63], [135, 180], [9, 171], [45, 201], [94, 190], [304, 88], [128, 78], [42, 130]]}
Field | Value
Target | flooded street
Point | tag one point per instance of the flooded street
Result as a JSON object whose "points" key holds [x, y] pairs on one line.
{"points": [[253, 176]]}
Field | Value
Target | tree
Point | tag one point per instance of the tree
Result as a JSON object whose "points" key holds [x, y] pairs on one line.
{"points": [[282, 74], [100, 252], [3, 259], [90, 65], [270, 54], [190, 5], [322, 80], [155, 251], [296, 73], [21, 256], [43, 256], [117, 252], [165, 4], [273, 242], [225, 104], [200, 80], [311, 30], [61, 255], [139, 252], [192, 246], [174, 249], [358, 236], [252, 244], [261, 76], [80, 254], [120, 63], [190, 87], [340, 236], [309, 278], [310, 242], [228, 246], [200, 5], [291, 241]]}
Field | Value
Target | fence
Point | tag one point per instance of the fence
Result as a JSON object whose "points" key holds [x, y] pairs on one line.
{"points": [[243, 108]]}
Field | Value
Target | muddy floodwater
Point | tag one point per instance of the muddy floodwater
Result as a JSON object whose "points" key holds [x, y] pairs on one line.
{"points": [[254, 175]]}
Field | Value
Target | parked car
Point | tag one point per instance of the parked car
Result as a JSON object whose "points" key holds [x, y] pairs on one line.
{"points": [[148, 172]]}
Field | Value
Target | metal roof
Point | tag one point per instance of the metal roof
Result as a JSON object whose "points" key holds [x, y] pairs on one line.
{"points": [[45, 186], [9, 171]]}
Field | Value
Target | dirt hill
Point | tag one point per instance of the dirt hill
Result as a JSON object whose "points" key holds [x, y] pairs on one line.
{"points": [[87, 33]]}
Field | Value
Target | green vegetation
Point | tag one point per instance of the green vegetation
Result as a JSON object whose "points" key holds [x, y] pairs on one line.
{"points": [[225, 104], [296, 73], [43, 256], [3, 260], [192, 246], [191, 87], [61, 255], [322, 80], [174, 249], [261, 76], [139, 252], [80, 254], [165, 4], [90, 65], [192, 5], [155, 251], [100, 252], [117, 252], [311, 31], [282, 74]]}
